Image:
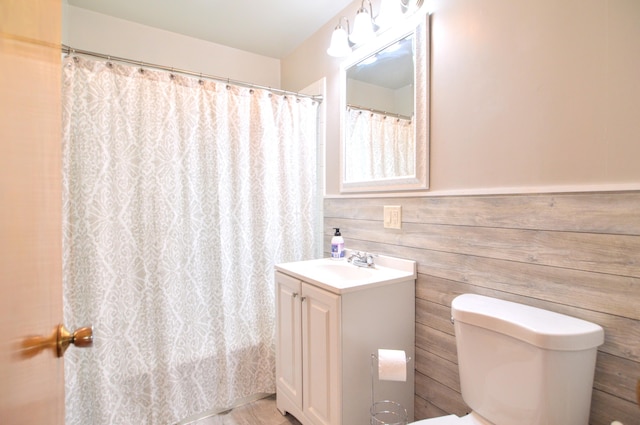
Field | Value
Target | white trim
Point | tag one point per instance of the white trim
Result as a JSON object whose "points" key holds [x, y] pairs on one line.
{"points": [[515, 190]]}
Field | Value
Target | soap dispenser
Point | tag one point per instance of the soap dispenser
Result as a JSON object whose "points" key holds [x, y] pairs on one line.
{"points": [[337, 245]]}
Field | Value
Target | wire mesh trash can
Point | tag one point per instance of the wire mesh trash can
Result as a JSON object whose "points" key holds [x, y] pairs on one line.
{"points": [[388, 412]]}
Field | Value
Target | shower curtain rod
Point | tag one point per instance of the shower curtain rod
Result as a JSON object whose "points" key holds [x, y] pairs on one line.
{"points": [[70, 50], [376, 111]]}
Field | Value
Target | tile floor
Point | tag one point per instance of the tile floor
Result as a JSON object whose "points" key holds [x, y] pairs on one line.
{"points": [[259, 412]]}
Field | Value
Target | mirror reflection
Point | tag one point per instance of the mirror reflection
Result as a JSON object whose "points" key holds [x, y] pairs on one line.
{"points": [[379, 131]]}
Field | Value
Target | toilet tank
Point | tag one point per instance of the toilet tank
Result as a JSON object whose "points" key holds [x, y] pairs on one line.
{"points": [[521, 365]]}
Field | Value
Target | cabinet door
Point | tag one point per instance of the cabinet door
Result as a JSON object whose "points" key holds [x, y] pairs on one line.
{"points": [[289, 339], [320, 353]]}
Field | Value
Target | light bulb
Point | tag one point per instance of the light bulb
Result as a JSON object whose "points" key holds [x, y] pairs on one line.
{"points": [[339, 46], [390, 13], [362, 27]]}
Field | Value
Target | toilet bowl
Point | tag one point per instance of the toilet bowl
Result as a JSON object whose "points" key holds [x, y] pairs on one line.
{"points": [[521, 365]]}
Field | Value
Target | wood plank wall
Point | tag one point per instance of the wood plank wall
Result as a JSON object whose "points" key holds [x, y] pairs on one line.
{"points": [[577, 254]]}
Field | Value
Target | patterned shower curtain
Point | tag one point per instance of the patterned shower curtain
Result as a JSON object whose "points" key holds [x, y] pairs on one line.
{"points": [[180, 194], [380, 146]]}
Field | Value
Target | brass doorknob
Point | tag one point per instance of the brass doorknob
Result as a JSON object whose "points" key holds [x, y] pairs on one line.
{"points": [[82, 337], [58, 341]]}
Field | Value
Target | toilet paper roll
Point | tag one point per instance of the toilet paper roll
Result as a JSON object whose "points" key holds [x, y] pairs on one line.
{"points": [[392, 365]]}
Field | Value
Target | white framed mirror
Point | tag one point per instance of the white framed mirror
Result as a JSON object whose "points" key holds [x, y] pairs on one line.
{"points": [[384, 101]]}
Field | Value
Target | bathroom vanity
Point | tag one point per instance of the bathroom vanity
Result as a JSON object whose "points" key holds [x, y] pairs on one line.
{"points": [[331, 317]]}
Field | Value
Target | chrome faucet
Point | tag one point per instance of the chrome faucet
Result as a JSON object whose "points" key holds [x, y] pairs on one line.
{"points": [[361, 259]]}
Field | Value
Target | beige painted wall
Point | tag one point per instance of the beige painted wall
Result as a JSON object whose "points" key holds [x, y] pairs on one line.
{"points": [[525, 96], [95, 32]]}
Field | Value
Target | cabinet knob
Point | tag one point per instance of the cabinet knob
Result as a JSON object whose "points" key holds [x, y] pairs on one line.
{"points": [[303, 298], [295, 294]]}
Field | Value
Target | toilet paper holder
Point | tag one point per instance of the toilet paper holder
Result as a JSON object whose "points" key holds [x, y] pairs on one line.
{"points": [[374, 403]]}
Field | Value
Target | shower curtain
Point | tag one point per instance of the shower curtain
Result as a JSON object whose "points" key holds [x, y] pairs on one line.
{"points": [[179, 195], [380, 146]]}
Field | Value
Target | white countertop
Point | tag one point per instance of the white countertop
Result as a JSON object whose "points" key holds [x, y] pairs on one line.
{"points": [[340, 276]]}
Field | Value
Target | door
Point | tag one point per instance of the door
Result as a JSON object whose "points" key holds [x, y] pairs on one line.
{"points": [[31, 390], [321, 348]]}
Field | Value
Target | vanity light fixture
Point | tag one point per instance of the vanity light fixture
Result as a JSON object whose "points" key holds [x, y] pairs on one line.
{"points": [[390, 12], [339, 46], [365, 27]]}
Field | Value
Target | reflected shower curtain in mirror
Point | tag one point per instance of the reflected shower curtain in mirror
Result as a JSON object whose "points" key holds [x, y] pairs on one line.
{"points": [[378, 146], [180, 194]]}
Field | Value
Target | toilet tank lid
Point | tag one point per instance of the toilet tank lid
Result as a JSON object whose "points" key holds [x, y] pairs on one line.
{"points": [[542, 328]]}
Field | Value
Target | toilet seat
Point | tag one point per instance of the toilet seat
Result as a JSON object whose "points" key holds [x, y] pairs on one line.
{"points": [[470, 419], [442, 420]]}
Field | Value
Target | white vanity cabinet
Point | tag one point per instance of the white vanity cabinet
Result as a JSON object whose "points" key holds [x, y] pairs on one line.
{"points": [[325, 336], [308, 345]]}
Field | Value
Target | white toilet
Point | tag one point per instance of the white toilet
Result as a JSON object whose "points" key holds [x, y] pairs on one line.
{"points": [[521, 365]]}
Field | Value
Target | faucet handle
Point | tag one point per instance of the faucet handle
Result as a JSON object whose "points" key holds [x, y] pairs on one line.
{"points": [[356, 254]]}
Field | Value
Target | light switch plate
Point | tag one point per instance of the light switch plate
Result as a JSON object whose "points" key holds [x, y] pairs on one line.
{"points": [[393, 217]]}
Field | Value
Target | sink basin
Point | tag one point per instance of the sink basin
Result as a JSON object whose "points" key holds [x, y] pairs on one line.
{"points": [[344, 270], [341, 276]]}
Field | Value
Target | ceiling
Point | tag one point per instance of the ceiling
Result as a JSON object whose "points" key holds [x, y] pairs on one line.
{"points": [[392, 69], [272, 28]]}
